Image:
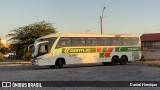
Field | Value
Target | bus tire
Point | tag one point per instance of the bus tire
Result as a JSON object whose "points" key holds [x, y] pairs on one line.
{"points": [[59, 63], [123, 60], [115, 60]]}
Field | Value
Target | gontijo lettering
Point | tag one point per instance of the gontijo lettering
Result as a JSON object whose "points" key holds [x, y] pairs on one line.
{"points": [[79, 50]]}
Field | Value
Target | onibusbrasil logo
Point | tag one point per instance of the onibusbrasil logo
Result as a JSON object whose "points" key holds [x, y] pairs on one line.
{"points": [[21, 84]]}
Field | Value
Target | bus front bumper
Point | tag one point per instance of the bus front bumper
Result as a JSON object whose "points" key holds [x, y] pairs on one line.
{"points": [[34, 62]]}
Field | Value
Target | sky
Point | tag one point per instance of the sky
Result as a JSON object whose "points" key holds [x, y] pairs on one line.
{"points": [[82, 16]]}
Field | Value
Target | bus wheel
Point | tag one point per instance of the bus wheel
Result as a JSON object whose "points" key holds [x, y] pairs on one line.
{"points": [[59, 63], [123, 60], [115, 60]]}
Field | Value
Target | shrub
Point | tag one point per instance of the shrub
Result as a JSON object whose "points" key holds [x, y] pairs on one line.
{"points": [[27, 57], [1, 57]]}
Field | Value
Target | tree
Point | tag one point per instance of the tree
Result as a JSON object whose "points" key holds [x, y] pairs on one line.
{"points": [[22, 37], [4, 50], [1, 57]]}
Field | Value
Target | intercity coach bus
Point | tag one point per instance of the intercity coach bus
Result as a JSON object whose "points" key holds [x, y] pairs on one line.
{"points": [[60, 49]]}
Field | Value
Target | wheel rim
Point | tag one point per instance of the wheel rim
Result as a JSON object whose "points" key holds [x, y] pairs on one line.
{"points": [[123, 60]]}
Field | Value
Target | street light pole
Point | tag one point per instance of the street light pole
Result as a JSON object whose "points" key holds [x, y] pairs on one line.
{"points": [[101, 20], [101, 24]]}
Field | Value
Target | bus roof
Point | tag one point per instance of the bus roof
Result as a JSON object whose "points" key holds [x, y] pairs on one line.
{"points": [[86, 35]]}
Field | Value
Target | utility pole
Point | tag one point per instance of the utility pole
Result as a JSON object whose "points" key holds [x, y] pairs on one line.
{"points": [[101, 17]]}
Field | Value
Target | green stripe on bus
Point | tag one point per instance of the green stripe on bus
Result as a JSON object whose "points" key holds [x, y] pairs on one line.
{"points": [[78, 50], [93, 50], [127, 49]]}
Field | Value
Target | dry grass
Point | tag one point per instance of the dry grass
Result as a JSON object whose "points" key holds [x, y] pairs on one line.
{"points": [[12, 64], [154, 63]]}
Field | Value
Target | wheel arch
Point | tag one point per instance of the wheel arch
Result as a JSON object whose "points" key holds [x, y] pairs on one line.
{"points": [[115, 60], [124, 56], [114, 56], [61, 58]]}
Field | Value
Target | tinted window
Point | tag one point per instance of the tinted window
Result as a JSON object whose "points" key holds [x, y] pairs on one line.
{"points": [[134, 41], [91, 42], [104, 41], [63, 42], [126, 41], [46, 47], [116, 42], [43, 49], [78, 41]]}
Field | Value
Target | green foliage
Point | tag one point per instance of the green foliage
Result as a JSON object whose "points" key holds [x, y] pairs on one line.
{"points": [[1, 57], [22, 37], [4, 50], [27, 56]]}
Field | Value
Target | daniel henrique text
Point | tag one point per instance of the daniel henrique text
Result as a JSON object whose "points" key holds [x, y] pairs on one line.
{"points": [[143, 84]]}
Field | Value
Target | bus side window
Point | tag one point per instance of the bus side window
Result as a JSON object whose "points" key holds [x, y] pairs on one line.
{"points": [[135, 40], [46, 48], [82, 42], [126, 41], [116, 42], [43, 49], [63, 42], [78, 41], [101, 41], [75, 41], [104, 41], [91, 41]]}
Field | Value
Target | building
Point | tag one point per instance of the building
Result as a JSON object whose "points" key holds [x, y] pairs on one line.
{"points": [[151, 40], [151, 45]]}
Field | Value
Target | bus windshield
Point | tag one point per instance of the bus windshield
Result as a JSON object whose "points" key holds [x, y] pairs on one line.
{"points": [[43, 46]]}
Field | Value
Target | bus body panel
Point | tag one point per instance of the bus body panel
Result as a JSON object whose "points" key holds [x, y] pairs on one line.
{"points": [[83, 54]]}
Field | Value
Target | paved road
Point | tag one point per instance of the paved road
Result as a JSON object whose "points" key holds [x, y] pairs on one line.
{"points": [[89, 72]]}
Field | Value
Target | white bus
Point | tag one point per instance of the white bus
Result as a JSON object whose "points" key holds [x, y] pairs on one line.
{"points": [[60, 49]]}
